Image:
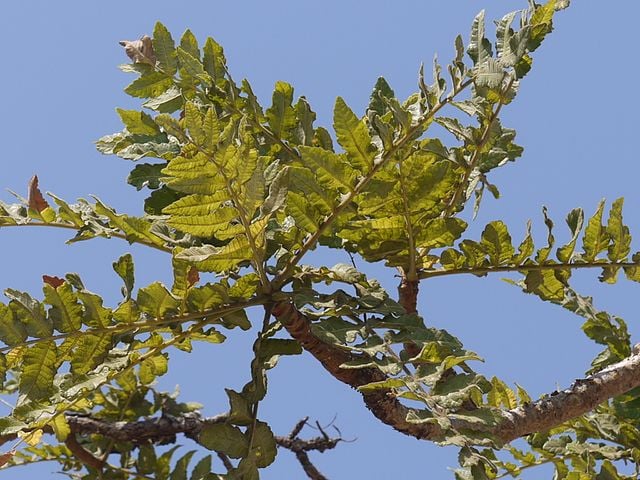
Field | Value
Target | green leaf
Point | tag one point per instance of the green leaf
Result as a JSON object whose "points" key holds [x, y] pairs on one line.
{"points": [[165, 49], [203, 215], [281, 116], [192, 66], [180, 470], [595, 238], [94, 315], [496, 241], [526, 247], [264, 445], [618, 232], [217, 259], [136, 229], [274, 347], [151, 85], [146, 175], [10, 426], [575, 220], [189, 44], [193, 175], [353, 136], [38, 370], [92, 350], [169, 101], [547, 284], [66, 311], [479, 48], [194, 122], [225, 438], [30, 312], [214, 62], [12, 330], [202, 470], [304, 132], [138, 123], [330, 169], [153, 367], [239, 408], [124, 268], [381, 91], [157, 301]]}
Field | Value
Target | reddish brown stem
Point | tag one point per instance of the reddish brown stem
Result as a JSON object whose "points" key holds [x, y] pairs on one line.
{"points": [[85, 456], [408, 298], [381, 402]]}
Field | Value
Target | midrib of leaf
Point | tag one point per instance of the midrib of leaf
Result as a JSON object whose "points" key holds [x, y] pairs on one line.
{"points": [[282, 277]]}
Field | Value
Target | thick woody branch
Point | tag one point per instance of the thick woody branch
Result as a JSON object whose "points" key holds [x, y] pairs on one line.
{"points": [[381, 402], [583, 396], [408, 298]]}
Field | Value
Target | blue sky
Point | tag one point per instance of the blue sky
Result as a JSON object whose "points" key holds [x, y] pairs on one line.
{"points": [[576, 116]]}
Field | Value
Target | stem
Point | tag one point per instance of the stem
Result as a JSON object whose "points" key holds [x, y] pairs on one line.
{"points": [[257, 365], [69, 226], [143, 327], [474, 158], [244, 219], [61, 409], [523, 268], [364, 181], [520, 469]]}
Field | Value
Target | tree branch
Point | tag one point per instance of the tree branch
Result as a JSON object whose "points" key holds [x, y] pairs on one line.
{"points": [[163, 430], [550, 411], [382, 402], [583, 396], [408, 298], [85, 456]]}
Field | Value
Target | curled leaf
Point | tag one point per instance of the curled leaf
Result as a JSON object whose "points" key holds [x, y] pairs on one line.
{"points": [[140, 51]]}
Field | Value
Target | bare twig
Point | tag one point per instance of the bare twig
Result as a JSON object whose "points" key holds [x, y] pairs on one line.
{"points": [[225, 461], [300, 447]]}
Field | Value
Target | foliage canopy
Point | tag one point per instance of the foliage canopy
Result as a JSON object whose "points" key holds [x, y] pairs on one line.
{"points": [[238, 196]]}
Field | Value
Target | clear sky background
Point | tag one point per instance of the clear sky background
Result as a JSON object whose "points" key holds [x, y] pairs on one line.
{"points": [[576, 116]]}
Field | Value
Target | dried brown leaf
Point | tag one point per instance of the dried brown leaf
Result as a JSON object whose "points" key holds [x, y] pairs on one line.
{"points": [[36, 200], [55, 282], [193, 276], [140, 51]]}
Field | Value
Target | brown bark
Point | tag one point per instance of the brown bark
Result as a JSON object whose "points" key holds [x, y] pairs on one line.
{"points": [[381, 402], [583, 396], [85, 456], [408, 298]]}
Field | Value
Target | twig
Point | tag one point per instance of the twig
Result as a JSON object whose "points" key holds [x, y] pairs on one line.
{"points": [[82, 454], [225, 461]]}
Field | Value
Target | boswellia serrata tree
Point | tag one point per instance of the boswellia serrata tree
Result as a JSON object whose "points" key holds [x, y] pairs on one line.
{"points": [[238, 196]]}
